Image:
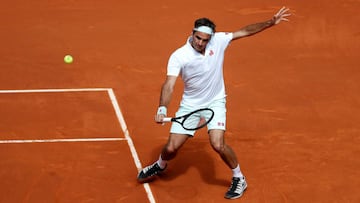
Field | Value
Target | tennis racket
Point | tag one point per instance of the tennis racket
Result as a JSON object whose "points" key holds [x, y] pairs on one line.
{"points": [[193, 120]]}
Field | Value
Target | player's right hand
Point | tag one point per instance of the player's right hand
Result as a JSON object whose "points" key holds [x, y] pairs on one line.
{"points": [[159, 118], [160, 114]]}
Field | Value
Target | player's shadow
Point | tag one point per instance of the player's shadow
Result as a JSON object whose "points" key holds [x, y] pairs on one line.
{"points": [[194, 154]]}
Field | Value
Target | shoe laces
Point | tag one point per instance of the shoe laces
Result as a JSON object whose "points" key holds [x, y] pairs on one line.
{"points": [[237, 186], [152, 169]]}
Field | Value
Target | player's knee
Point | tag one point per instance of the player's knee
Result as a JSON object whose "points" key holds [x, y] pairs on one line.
{"points": [[218, 147], [170, 149]]}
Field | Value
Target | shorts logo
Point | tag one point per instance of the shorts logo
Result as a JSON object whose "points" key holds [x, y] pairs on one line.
{"points": [[221, 124]]}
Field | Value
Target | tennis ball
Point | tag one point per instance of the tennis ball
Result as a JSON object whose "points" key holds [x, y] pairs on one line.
{"points": [[68, 59]]}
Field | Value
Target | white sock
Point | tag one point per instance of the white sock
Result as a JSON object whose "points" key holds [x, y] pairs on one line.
{"points": [[162, 163], [237, 172]]}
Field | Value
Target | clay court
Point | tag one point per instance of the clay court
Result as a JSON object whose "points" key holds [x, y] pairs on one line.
{"points": [[80, 132]]}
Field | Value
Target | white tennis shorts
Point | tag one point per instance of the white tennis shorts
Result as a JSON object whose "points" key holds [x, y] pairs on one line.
{"points": [[218, 122]]}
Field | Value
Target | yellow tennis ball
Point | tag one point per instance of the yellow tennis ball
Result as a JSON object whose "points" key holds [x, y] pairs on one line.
{"points": [[68, 59]]}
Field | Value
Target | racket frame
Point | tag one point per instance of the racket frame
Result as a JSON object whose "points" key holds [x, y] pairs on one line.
{"points": [[184, 117]]}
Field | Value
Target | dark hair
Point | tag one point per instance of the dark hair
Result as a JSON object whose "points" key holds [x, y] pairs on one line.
{"points": [[204, 22]]}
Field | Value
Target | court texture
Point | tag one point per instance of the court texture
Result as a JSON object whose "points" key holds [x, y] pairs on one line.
{"points": [[80, 132]]}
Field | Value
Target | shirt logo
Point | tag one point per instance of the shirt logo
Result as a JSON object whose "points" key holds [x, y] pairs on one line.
{"points": [[211, 53]]}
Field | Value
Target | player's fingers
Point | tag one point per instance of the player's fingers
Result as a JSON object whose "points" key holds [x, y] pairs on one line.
{"points": [[281, 17], [156, 118], [159, 118], [282, 11], [286, 14]]}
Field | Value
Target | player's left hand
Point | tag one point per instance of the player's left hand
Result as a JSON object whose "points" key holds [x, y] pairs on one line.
{"points": [[281, 15]]}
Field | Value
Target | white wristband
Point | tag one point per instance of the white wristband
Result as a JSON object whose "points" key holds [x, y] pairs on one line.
{"points": [[162, 110]]}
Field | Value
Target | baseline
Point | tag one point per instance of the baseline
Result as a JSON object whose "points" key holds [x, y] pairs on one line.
{"points": [[61, 140]]}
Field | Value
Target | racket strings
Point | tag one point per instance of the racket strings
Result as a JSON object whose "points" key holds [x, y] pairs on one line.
{"points": [[197, 120]]}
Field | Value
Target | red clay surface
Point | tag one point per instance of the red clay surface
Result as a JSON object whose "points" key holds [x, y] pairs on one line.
{"points": [[293, 101]]}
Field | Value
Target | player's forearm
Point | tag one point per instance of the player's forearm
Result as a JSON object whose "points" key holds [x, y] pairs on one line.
{"points": [[165, 96], [253, 29], [258, 27]]}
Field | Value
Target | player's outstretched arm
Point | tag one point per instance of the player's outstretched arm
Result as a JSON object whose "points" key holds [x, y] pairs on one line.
{"points": [[249, 30]]}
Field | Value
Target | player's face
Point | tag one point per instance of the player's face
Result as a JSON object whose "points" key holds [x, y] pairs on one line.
{"points": [[200, 40]]}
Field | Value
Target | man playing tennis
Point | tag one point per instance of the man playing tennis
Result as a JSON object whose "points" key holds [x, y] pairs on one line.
{"points": [[200, 64]]}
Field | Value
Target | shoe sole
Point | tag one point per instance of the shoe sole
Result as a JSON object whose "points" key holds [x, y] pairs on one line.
{"points": [[149, 179], [146, 180], [236, 197]]}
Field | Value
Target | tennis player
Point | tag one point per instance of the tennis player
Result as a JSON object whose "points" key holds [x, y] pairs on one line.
{"points": [[200, 64]]}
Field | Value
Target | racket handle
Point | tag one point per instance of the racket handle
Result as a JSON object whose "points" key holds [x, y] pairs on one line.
{"points": [[167, 119]]}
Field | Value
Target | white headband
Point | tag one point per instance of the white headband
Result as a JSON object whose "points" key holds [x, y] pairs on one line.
{"points": [[204, 29]]}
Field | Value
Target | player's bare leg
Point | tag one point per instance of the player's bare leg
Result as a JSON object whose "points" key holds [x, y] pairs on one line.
{"points": [[169, 151], [218, 144], [238, 184]]}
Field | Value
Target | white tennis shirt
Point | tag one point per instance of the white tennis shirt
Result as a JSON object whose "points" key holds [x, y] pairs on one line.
{"points": [[202, 74]]}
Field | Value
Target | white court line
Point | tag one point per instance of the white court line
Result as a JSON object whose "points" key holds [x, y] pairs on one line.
{"points": [[62, 140], [130, 142], [55, 90], [118, 114]]}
